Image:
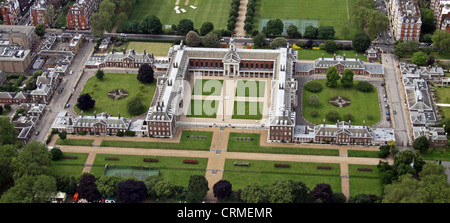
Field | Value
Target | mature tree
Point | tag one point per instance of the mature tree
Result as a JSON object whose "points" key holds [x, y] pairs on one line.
{"points": [[301, 193], [62, 135], [248, 27], [430, 61], [259, 40], [184, 26], [121, 21], [281, 191], [428, 25], [133, 27], [198, 186], [40, 30], [399, 48], [331, 46], [145, 73], [211, 40], [362, 198], [30, 189], [292, 31], [278, 42], [274, 27], [33, 160], [254, 193], [206, 28], [151, 24], [131, 191], [222, 189], [150, 182], [56, 154], [87, 188], [332, 77], [441, 40], [7, 153], [431, 188], [364, 86], [135, 106], [419, 58], [310, 32], [66, 184], [100, 74], [43, 188], [313, 86], [107, 185], [85, 102], [313, 100], [361, 42], [326, 32], [192, 39], [422, 144], [164, 189], [7, 131], [322, 193], [347, 78]]}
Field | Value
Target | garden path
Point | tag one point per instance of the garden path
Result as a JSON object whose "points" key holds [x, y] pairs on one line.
{"points": [[216, 160], [239, 29]]}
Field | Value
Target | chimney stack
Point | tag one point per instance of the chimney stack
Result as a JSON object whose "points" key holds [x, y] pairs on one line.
{"points": [[118, 114], [344, 56], [95, 114], [334, 56]]}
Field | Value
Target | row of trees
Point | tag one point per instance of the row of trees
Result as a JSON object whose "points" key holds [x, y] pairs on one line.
{"points": [[366, 16], [110, 14]]}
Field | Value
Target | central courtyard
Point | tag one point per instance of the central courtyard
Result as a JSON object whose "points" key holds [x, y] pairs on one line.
{"points": [[227, 100]]}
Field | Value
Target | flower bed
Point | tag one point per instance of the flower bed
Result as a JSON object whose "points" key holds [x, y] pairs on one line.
{"points": [[190, 161], [365, 169], [324, 167], [70, 157], [237, 163], [112, 159], [279, 165], [151, 160]]}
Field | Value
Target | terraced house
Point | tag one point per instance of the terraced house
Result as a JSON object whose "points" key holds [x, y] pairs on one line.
{"points": [[405, 19]]}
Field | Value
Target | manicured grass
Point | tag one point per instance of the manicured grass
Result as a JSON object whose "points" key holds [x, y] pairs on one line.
{"points": [[363, 153], [172, 168], [250, 88], [443, 96], [215, 11], [155, 48], [98, 89], [75, 142], [203, 108], [436, 154], [207, 87], [334, 13], [364, 105], [363, 181], [247, 110], [68, 167], [263, 172], [185, 143], [309, 54], [254, 147]]}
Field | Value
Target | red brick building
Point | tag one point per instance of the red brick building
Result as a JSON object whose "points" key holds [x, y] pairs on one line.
{"points": [[39, 13], [10, 10], [79, 14]]}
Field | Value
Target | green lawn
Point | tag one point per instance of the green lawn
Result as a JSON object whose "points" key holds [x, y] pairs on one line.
{"points": [[254, 147], [68, 167], [436, 154], [364, 181], [364, 105], [247, 110], [207, 87], [443, 96], [307, 54], [185, 142], [75, 142], [203, 108], [215, 11], [336, 13], [155, 48], [263, 172], [250, 88], [98, 89], [172, 168]]}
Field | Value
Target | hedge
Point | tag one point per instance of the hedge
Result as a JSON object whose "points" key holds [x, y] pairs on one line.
{"points": [[190, 161]]}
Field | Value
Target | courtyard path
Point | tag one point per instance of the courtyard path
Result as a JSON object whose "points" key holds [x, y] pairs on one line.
{"points": [[216, 160]]}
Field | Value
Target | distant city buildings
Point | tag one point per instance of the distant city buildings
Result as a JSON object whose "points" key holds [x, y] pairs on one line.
{"points": [[79, 14], [441, 9], [10, 10], [40, 13]]}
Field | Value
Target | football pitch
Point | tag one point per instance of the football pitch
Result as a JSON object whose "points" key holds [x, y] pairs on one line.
{"points": [[199, 11]]}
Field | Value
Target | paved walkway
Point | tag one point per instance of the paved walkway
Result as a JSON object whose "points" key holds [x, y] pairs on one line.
{"points": [[239, 29], [216, 160]]}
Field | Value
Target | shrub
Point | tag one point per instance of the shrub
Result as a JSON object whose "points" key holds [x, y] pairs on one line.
{"points": [[56, 154], [278, 165], [364, 86], [112, 159], [70, 157], [130, 133], [365, 169], [313, 86], [190, 161], [151, 160], [332, 116], [324, 167], [120, 134], [349, 117]]}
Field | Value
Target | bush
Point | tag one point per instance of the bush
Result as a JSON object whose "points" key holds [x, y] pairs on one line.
{"points": [[365, 169], [364, 86], [56, 154], [332, 116], [349, 117], [130, 133], [324, 167], [278, 165], [384, 151], [313, 86], [151, 160], [120, 134], [190, 161], [112, 159]]}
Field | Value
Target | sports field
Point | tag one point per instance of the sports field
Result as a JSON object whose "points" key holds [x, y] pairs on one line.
{"points": [[215, 11], [336, 13]]}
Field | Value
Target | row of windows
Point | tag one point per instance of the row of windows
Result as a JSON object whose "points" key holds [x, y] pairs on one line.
{"points": [[160, 133], [160, 128]]}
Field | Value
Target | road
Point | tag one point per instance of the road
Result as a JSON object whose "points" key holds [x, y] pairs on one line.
{"points": [[58, 101], [396, 100]]}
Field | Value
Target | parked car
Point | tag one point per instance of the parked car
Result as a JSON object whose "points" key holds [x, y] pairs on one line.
{"points": [[61, 90], [387, 113], [395, 112], [388, 118], [37, 132], [67, 105], [123, 34]]}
